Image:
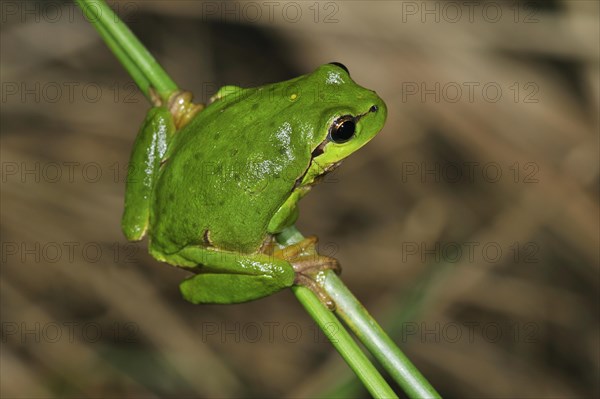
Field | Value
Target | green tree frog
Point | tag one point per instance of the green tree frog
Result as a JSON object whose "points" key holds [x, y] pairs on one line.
{"points": [[212, 187]]}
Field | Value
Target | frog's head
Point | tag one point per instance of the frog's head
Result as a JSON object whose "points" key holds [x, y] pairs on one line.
{"points": [[350, 116]]}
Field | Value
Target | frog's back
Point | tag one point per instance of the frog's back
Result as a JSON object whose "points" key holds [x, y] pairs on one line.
{"points": [[226, 175]]}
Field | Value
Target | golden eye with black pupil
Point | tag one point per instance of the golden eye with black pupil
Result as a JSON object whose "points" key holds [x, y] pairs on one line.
{"points": [[342, 129]]}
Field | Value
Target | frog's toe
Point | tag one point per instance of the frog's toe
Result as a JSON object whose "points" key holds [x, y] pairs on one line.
{"points": [[309, 270], [305, 247], [314, 264], [319, 291], [182, 108]]}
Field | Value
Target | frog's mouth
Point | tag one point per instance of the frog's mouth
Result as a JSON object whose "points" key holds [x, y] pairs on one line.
{"points": [[319, 178], [323, 170]]}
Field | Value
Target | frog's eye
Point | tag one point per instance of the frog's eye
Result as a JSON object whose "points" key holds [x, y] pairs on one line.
{"points": [[339, 64], [342, 129]]}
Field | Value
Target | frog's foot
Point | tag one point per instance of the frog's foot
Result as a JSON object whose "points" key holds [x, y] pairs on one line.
{"points": [[182, 108], [309, 266]]}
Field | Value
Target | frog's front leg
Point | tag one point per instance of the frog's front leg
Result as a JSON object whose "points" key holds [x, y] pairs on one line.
{"points": [[148, 152]]}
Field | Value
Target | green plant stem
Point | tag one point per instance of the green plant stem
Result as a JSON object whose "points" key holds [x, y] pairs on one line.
{"points": [[132, 54], [368, 331], [344, 343], [130, 66]]}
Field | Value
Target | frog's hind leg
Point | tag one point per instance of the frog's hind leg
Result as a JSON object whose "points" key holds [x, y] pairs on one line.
{"points": [[230, 277], [227, 288]]}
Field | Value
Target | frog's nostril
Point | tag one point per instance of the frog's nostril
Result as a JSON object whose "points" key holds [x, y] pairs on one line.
{"points": [[373, 108]]}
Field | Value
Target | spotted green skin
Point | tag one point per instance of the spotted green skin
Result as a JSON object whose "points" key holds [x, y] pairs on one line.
{"points": [[210, 195]]}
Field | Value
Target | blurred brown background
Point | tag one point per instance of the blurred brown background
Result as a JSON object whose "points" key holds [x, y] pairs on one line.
{"points": [[469, 226]]}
